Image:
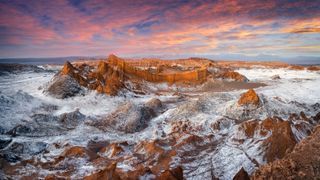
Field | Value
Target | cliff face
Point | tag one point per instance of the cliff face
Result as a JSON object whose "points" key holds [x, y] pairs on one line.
{"points": [[195, 76]]}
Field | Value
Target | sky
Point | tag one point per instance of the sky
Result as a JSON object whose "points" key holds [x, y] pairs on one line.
{"points": [[222, 29]]}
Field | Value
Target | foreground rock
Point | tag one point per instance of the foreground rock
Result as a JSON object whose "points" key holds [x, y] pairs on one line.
{"points": [[302, 163], [274, 134]]}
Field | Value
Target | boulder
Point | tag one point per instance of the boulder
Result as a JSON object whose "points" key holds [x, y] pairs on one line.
{"points": [[250, 97]]}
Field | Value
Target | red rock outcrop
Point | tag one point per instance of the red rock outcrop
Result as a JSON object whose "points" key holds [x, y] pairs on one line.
{"points": [[302, 163], [250, 97], [281, 141], [280, 138], [109, 173]]}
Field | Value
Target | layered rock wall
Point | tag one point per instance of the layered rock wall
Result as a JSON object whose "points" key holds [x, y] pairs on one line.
{"points": [[198, 75]]}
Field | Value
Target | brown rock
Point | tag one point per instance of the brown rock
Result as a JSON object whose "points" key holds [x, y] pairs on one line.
{"points": [[109, 173], [296, 67], [67, 69], [250, 97], [75, 151], [113, 149], [250, 127], [302, 163], [241, 175], [314, 68], [174, 174], [281, 140], [53, 177]]}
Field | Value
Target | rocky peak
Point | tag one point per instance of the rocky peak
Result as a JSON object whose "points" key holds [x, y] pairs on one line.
{"points": [[113, 59], [250, 97], [112, 56], [67, 68]]}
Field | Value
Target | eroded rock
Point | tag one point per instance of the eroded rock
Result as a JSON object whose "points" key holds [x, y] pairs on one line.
{"points": [[250, 97], [301, 163]]}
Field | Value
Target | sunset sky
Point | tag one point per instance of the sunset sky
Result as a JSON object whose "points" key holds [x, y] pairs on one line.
{"points": [[229, 29]]}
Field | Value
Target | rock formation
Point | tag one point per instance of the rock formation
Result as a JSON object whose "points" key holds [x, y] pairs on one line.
{"points": [[250, 97], [302, 163], [114, 75], [108, 173]]}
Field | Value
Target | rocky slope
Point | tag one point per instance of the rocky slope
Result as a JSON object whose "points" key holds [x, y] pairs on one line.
{"points": [[302, 163], [156, 131]]}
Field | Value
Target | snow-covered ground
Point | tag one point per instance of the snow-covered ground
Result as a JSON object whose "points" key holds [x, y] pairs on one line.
{"points": [[21, 96]]}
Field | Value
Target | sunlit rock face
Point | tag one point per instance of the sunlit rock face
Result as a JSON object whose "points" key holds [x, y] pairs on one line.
{"points": [[250, 97], [153, 119]]}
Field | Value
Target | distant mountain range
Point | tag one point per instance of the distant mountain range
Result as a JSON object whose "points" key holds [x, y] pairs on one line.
{"points": [[301, 60]]}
